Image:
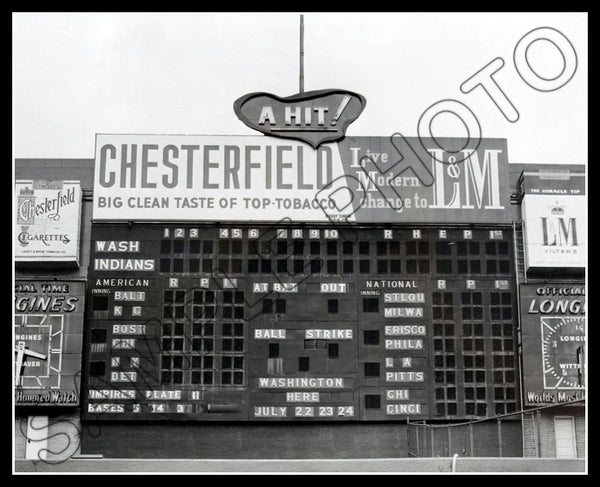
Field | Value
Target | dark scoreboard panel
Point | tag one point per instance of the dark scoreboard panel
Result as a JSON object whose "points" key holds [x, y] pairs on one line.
{"points": [[299, 323]]}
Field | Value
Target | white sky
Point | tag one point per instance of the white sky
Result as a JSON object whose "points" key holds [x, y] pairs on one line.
{"points": [[78, 74]]}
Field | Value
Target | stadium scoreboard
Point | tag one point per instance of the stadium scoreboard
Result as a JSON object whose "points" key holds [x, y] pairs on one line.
{"points": [[283, 322]]}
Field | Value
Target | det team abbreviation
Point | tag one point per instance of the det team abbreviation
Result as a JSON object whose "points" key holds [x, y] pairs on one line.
{"points": [[210, 202]]}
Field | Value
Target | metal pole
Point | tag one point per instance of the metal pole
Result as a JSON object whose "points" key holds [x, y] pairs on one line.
{"points": [[454, 458], [301, 53]]}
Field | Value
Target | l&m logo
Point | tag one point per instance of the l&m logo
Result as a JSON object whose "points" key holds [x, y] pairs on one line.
{"points": [[558, 231], [555, 231]]}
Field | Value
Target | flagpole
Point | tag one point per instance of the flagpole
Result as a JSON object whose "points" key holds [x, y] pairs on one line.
{"points": [[301, 53]]}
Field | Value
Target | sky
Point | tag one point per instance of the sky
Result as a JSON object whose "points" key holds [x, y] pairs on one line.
{"points": [[78, 74]]}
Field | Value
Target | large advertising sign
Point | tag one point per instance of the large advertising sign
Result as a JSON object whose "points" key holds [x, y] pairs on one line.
{"points": [[254, 178], [555, 223], [48, 331], [48, 221], [554, 342]]}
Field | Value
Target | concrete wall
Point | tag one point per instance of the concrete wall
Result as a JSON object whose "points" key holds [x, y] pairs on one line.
{"points": [[62, 436], [243, 440], [20, 437], [285, 440]]}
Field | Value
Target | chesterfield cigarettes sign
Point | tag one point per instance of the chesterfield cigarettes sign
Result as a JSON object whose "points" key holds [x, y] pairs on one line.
{"points": [[48, 219], [255, 178]]}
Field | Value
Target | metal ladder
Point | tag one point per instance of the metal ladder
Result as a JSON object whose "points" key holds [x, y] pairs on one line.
{"points": [[529, 433], [519, 252]]}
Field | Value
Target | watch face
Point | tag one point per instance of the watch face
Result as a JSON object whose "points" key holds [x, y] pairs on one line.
{"points": [[42, 334], [563, 341]]}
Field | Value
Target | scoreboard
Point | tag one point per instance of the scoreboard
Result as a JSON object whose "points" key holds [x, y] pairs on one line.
{"points": [[308, 323]]}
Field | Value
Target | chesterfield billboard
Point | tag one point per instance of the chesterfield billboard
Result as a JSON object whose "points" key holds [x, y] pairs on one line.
{"points": [[48, 218], [254, 178]]}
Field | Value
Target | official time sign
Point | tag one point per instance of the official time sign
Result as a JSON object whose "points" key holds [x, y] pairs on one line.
{"points": [[48, 221], [48, 331], [554, 342], [253, 178]]}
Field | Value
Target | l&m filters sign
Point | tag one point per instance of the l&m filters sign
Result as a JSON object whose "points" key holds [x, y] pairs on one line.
{"points": [[48, 221], [555, 223], [554, 342], [254, 178]]}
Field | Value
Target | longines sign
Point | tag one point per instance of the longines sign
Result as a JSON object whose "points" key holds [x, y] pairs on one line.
{"points": [[256, 178], [48, 332], [554, 342]]}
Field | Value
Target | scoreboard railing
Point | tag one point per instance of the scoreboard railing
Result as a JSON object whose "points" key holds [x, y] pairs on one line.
{"points": [[494, 437], [506, 435]]}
